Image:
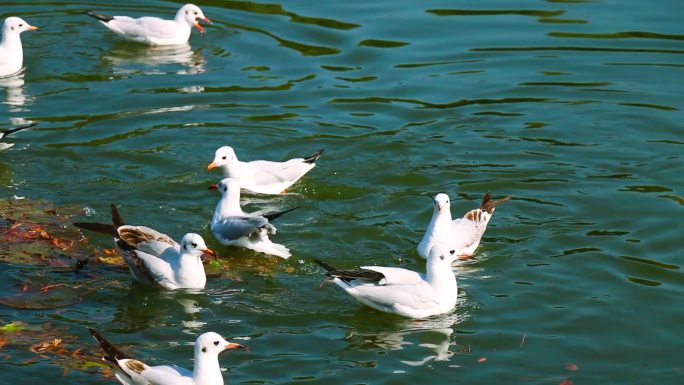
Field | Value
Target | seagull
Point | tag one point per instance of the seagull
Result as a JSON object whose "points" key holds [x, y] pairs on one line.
{"points": [[399, 291], [263, 176], [11, 51], [3, 134], [462, 234], [153, 30], [233, 227], [130, 371], [154, 258]]}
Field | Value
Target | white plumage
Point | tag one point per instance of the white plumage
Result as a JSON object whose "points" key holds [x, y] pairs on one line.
{"points": [[11, 50], [233, 227], [130, 371], [153, 257], [153, 30], [401, 291], [462, 234], [263, 176]]}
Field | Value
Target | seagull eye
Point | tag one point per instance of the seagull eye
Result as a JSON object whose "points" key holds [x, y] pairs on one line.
{"points": [[223, 158], [21, 25], [452, 252], [194, 244], [216, 343], [195, 13]]}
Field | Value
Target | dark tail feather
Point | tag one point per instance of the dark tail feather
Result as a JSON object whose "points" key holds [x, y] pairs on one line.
{"points": [[117, 220], [98, 228], [313, 157], [112, 353], [324, 265], [488, 204], [13, 130], [273, 216], [99, 16]]}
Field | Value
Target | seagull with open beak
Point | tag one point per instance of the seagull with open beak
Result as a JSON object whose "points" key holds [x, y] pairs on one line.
{"points": [[153, 30]]}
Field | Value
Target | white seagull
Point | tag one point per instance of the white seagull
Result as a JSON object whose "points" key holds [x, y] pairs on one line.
{"points": [[130, 371], [3, 134], [263, 176], [11, 51], [154, 258], [233, 227], [153, 30], [399, 291], [462, 234]]}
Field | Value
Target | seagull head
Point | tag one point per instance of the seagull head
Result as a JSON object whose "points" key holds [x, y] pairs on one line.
{"points": [[16, 25], [192, 14], [194, 244], [441, 254], [226, 185], [223, 156], [211, 343], [441, 202]]}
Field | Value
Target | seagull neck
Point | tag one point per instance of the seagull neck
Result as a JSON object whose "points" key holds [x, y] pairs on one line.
{"points": [[229, 204], [10, 40], [440, 276], [207, 370], [190, 273], [441, 220], [180, 17]]}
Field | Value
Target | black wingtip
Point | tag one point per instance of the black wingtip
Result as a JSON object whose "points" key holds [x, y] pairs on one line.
{"points": [[13, 130], [117, 219], [324, 265], [99, 16], [273, 216], [112, 353], [101, 228], [314, 157]]}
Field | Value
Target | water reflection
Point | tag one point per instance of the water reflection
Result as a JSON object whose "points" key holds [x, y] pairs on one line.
{"points": [[433, 334], [126, 58], [14, 92]]}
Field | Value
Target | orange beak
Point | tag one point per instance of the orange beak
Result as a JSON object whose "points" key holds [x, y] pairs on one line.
{"points": [[233, 345], [210, 252], [212, 166], [213, 187], [199, 27], [32, 28]]}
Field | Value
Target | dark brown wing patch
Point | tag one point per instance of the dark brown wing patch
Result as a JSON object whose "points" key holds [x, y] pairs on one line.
{"points": [[488, 204], [134, 236], [135, 366]]}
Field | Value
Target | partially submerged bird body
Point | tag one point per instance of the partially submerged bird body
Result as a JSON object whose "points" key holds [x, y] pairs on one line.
{"points": [[153, 257], [130, 371], [11, 49], [233, 227], [400, 291], [263, 176], [462, 234], [5, 133], [153, 30]]}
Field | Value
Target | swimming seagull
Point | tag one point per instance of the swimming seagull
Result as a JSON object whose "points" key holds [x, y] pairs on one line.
{"points": [[3, 134], [153, 30], [462, 234], [263, 176], [11, 51], [130, 371], [233, 227], [399, 291], [154, 258]]}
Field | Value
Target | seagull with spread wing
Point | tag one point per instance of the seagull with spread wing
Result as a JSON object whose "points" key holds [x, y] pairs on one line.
{"points": [[153, 257]]}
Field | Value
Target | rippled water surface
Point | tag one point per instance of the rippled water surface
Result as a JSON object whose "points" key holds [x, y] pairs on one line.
{"points": [[572, 107]]}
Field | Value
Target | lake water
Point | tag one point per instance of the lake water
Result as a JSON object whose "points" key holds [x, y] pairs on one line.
{"points": [[572, 107]]}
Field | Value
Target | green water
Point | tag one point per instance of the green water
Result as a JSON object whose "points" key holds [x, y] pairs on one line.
{"points": [[572, 107]]}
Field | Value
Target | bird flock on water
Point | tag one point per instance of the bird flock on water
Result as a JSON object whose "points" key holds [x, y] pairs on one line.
{"points": [[157, 260]]}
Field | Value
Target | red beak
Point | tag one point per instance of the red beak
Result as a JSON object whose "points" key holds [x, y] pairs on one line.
{"points": [[213, 187]]}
